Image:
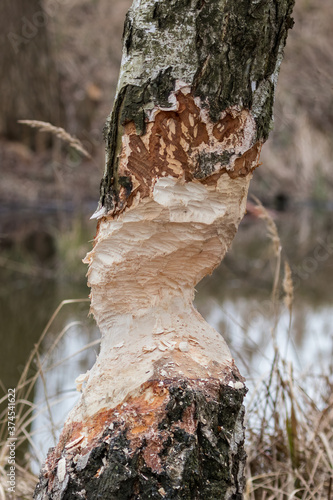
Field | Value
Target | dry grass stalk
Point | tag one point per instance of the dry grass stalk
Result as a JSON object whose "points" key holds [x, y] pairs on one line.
{"points": [[288, 287], [289, 454], [290, 436], [26, 411], [58, 132]]}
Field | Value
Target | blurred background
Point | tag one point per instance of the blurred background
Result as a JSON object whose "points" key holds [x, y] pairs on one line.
{"points": [[59, 63]]}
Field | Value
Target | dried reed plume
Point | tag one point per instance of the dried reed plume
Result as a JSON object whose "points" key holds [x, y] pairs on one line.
{"points": [[58, 132], [271, 226], [273, 234]]}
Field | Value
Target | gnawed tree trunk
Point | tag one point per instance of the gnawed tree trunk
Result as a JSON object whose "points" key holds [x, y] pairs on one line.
{"points": [[161, 412]]}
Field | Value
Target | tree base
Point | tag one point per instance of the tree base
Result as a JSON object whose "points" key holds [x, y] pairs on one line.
{"points": [[176, 439]]}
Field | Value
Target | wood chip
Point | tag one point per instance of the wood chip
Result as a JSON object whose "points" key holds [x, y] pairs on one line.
{"points": [[183, 346], [74, 442], [61, 469], [239, 385], [158, 332], [149, 348], [169, 344], [118, 346]]}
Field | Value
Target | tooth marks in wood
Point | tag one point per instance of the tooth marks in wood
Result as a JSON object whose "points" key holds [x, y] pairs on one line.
{"points": [[184, 143], [247, 162]]}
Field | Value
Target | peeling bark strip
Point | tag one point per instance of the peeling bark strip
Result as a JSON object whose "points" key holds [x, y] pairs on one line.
{"points": [[161, 412]]}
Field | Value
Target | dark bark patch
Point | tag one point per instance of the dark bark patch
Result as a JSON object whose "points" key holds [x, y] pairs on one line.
{"points": [[244, 41], [196, 442], [207, 164]]}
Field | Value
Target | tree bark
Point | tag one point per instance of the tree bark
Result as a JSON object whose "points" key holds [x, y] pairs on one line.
{"points": [[161, 412], [29, 86]]}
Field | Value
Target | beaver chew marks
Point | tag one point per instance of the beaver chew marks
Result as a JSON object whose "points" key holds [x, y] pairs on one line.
{"points": [[183, 142]]}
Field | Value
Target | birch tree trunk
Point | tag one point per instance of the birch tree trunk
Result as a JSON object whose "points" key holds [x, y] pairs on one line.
{"points": [[161, 412]]}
